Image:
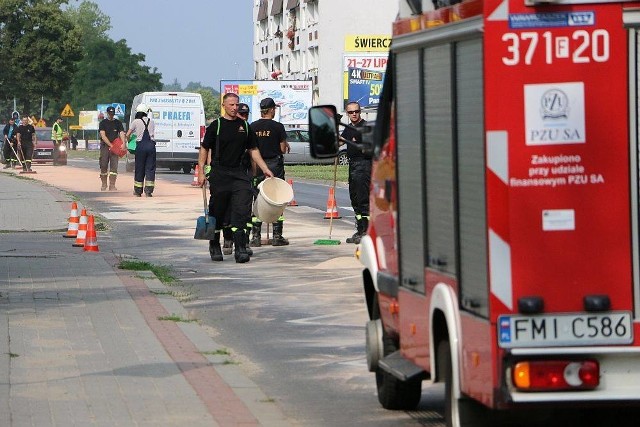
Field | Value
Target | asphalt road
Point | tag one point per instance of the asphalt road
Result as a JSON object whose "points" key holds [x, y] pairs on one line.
{"points": [[293, 317]]}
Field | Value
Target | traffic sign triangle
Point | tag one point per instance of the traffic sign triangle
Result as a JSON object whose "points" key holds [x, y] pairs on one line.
{"points": [[119, 111], [67, 111]]}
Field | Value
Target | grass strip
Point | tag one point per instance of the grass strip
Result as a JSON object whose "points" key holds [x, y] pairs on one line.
{"points": [[163, 273]]}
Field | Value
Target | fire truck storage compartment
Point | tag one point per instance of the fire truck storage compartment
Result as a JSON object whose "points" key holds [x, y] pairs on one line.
{"points": [[440, 133], [632, 20]]}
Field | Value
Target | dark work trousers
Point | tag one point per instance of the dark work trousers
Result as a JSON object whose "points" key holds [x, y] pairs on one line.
{"points": [[359, 182], [108, 161], [7, 152], [27, 151], [145, 166], [231, 196]]}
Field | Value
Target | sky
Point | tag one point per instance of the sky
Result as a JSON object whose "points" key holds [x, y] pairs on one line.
{"points": [[190, 40]]}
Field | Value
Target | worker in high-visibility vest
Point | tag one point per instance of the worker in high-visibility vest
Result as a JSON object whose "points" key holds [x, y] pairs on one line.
{"points": [[56, 132]]}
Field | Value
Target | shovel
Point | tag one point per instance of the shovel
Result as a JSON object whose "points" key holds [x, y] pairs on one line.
{"points": [[205, 226]]}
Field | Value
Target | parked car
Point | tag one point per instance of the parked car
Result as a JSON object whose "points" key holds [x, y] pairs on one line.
{"points": [[298, 139], [46, 152]]}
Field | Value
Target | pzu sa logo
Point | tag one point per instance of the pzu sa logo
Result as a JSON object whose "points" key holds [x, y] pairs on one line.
{"points": [[576, 19]]}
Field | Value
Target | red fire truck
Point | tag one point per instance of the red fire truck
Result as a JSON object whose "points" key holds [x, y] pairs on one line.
{"points": [[502, 255]]}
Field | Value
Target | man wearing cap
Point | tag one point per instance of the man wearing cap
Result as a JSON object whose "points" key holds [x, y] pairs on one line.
{"points": [[229, 138], [110, 129], [272, 143]]}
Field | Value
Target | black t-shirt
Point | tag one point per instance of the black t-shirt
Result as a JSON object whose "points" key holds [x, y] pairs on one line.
{"points": [[234, 140], [269, 134], [26, 133], [350, 135], [111, 128]]}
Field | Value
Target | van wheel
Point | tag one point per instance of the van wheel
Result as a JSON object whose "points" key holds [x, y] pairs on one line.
{"points": [[392, 392], [462, 412], [186, 169]]}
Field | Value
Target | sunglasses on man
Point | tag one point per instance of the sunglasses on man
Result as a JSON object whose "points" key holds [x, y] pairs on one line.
{"points": [[353, 112]]}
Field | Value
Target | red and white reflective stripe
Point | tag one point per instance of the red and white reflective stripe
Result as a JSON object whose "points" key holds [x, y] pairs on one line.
{"points": [[499, 246]]}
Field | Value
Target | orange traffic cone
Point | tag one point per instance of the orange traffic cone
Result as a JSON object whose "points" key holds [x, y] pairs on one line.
{"points": [[194, 183], [82, 230], [332, 207], [293, 201], [91, 242], [72, 230]]}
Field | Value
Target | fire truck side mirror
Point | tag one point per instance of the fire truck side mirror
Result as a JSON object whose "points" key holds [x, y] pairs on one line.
{"points": [[323, 131]]}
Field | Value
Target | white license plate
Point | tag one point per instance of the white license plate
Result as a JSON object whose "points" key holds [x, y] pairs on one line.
{"points": [[565, 330], [43, 153]]}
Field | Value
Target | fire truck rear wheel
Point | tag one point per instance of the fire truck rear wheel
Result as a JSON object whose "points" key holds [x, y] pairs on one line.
{"points": [[393, 393], [461, 412]]}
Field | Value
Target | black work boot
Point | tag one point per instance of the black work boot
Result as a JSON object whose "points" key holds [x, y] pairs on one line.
{"points": [[356, 236], [256, 239], [247, 232], [148, 191], [361, 229], [240, 248], [112, 183], [103, 178], [227, 246], [278, 240], [214, 248]]}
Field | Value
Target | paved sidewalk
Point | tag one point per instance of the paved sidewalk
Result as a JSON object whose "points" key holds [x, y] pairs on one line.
{"points": [[83, 343]]}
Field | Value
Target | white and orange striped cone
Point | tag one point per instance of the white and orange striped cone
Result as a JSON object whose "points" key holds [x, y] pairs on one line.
{"points": [[194, 183], [74, 220], [91, 242], [82, 230], [332, 207], [293, 201]]}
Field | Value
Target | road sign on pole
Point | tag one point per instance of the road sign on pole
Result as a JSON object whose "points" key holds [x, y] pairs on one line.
{"points": [[67, 111]]}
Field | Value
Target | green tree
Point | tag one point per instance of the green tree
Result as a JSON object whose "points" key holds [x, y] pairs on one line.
{"points": [[108, 71], [211, 103], [173, 87], [44, 45]]}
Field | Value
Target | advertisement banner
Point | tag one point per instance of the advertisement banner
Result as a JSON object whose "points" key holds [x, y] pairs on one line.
{"points": [[293, 98], [363, 78], [89, 120]]}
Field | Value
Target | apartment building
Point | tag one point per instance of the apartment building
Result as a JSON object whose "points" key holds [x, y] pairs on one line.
{"points": [[341, 46]]}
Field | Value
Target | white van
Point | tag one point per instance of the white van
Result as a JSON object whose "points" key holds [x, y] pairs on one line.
{"points": [[180, 125]]}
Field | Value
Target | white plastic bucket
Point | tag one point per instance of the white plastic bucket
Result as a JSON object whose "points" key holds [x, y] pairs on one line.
{"points": [[274, 195]]}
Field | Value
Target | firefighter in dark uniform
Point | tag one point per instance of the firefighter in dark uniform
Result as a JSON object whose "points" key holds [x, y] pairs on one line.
{"points": [[27, 141], [272, 143], [9, 135], [227, 234], [229, 137], [359, 173]]}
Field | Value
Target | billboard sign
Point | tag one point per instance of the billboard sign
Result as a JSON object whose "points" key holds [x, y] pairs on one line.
{"points": [[293, 98]]}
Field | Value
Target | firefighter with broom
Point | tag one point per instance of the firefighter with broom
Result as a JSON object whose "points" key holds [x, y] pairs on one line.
{"points": [[27, 141], [9, 137]]}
